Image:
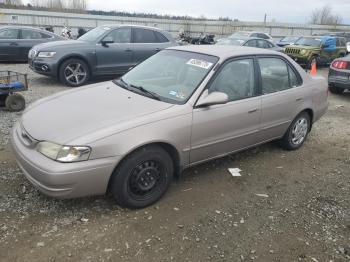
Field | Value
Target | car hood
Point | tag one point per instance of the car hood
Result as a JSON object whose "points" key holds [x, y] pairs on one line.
{"points": [[61, 45], [69, 115]]}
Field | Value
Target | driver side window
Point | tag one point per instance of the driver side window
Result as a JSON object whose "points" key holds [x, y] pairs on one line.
{"points": [[121, 35], [236, 80]]}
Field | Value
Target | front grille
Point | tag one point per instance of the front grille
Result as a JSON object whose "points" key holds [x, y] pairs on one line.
{"points": [[293, 51]]}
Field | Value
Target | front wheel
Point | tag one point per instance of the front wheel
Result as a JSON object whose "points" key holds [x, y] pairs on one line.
{"points": [[297, 132], [311, 62], [74, 72], [142, 178]]}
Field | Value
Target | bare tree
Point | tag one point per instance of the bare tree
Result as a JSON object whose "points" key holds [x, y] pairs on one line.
{"points": [[13, 2], [79, 5], [325, 16]]}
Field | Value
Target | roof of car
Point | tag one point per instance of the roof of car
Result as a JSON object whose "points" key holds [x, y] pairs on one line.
{"points": [[223, 51], [129, 25]]}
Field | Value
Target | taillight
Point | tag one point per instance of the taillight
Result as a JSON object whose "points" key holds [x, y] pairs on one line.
{"points": [[339, 64]]}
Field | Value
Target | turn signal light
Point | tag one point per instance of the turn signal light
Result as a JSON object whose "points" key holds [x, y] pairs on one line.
{"points": [[339, 64]]}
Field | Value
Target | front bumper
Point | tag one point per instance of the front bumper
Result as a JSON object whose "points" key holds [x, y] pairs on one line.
{"points": [[62, 180], [44, 66], [301, 60], [339, 78]]}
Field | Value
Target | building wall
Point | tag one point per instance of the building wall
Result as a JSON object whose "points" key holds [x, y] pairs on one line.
{"points": [[194, 27]]}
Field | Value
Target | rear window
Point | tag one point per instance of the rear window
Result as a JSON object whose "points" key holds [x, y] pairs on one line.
{"points": [[160, 37], [142, 35]]}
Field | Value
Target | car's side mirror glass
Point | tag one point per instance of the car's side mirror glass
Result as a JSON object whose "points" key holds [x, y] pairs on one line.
{"points": [[214, 98], [107, 40]]}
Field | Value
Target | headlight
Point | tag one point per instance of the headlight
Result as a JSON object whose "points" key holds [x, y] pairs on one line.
{"points": [[46, 54], [66, 154], [303, 52]]}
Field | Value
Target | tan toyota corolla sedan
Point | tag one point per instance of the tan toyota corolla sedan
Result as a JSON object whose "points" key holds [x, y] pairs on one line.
{"points": [[181, 107]]}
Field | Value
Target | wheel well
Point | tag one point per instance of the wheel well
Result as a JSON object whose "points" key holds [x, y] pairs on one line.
{"points": [[73, 57], [170, 149], [311, 115]]}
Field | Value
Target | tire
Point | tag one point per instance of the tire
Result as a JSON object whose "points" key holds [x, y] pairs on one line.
{"points": [[309, 64], [297, 132], [74, 72], [336, 90], [142, 178], [15, 103], [3, 99]]}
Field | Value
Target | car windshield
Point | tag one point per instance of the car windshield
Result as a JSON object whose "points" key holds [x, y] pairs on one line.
{"points": [[94, 34], [230, 41], [290, 39], [240, 34], [307, 41], [170, 76]]}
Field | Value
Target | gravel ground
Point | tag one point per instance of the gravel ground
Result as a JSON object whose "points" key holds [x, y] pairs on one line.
{"points": [[287, 206]]}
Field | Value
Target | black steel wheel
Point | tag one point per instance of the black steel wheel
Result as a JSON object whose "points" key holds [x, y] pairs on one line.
{"points": [[142, 177]]}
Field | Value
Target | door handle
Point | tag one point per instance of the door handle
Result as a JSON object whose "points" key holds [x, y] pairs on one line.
{"points": [[299, 99], [128, 50], [13, 44], [253, 111]]}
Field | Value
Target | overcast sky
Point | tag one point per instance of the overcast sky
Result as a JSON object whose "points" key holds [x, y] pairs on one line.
{"points": [[297, 11]]}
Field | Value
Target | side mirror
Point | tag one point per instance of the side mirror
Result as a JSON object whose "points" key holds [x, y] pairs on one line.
{"points": [[107, 40], [214, 98]]}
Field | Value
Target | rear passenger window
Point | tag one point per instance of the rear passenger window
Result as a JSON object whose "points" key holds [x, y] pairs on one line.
{"points": [[144, 36], [294, 79], [160, 37], [31, 34], [263, 36], [236, 79], [274, 75], [251, 43]]}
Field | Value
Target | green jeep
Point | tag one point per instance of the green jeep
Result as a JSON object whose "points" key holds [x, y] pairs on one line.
{"points": [[319, 49]]}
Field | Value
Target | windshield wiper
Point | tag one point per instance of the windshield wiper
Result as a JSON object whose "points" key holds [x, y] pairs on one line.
{"points": [[140, 88], [143, 90]]}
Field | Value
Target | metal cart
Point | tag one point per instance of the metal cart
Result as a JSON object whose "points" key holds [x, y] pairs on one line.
{"points": [[10, 84]]}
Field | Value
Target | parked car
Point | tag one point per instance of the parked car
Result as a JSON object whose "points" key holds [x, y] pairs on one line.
{"points": [[257, 34], [105, 50], [339, 75], [317, 49], [250, 42], [183, 106], [16, 41], [288, 40]]}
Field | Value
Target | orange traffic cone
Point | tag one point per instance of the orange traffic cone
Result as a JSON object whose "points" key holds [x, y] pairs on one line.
{"points": [[313, 69]]}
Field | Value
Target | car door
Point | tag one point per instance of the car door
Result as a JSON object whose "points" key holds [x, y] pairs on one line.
{"points": [[281, 94], [116, 57], [9, 50], [30, 38], [221, 129], [147, 42]]}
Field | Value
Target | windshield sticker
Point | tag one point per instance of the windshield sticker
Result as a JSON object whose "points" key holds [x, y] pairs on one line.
{"points": [[200, 63], [181, 95], [173, 93]]}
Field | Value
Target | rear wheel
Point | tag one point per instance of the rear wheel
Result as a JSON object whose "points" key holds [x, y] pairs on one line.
{"points": [[142, 178], [336, 90], [297, 132], [15, 103], [74, 72]]}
